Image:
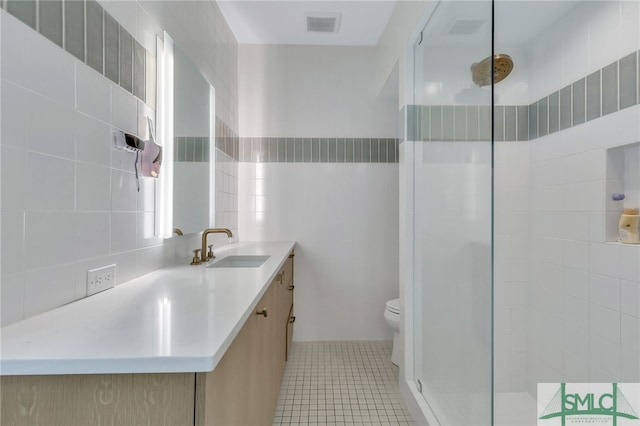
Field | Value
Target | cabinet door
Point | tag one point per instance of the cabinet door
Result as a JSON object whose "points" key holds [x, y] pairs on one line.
{"points": [[265, 384], [98, 399], [290, 321], [221, 395], [290, 318], [242, 390]]}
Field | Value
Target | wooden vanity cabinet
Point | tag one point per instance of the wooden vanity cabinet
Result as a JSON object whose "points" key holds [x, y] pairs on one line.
{"points": [[244, 387], [242, 390]]}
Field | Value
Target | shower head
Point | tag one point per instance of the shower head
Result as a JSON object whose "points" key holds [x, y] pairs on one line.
{"points": [[481, 72]]}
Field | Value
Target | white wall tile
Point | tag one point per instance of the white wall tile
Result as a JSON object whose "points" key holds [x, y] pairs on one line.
{"points": [[146, 230], [14, 115], [629, 366], [597, 226], [123, 191], [149, 259], [50, 129], [34, 62], [575, 48], [56, 241], [576, 254], [126, 267], [605, 291], [332, 260], [147, 195], [605, 323], [92, 234], [576, 312], [605, 259], [48, 288], [147, 30], [93, 141], [13, 183], [630, 262], [52, 104], [12, 230], [13, 54], [123, 232], [11, 298], [577, 368], [630, 298], [577, 340], [630, 32], [630, 333], [50, 183], [576, 283], [604, 33], [124, 110], [93, 93], [603, 355], [93, 187]]}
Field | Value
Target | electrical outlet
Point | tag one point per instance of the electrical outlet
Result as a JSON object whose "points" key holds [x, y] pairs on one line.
{"points": [[101, 279]]}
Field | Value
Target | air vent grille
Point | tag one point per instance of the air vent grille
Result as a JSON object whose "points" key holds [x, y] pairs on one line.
{"points": [[465, 27], [323, 24]]}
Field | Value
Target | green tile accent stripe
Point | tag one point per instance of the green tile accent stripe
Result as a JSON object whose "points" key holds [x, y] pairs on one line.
{"points": [[227, 141], [467, 123], [605, 91], [319, 150], [191, 149], [85, 30]]}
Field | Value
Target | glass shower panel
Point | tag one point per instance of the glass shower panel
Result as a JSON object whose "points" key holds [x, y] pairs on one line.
{"points": [[452, 214]]}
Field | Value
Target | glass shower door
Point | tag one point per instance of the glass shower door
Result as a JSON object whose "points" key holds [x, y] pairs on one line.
{"points": [[452, 162]]}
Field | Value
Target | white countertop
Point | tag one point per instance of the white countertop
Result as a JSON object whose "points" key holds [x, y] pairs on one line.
{"points": [[178, 319]]}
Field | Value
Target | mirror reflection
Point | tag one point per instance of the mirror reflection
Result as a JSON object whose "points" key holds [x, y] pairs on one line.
{"points": [[193, 118]]}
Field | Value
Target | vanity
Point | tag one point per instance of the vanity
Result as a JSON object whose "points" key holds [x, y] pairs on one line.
{"points": [[185, 345]]}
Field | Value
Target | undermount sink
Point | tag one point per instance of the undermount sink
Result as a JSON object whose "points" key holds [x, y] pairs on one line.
{"points": [[252, 261]]}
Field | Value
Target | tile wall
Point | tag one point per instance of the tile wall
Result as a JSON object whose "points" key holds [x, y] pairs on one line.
{"points": [[69, 199], [583, 321], [344, 218], [318, 165]]}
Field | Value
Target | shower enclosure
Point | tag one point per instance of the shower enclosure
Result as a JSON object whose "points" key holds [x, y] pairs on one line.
{"points": [[525, 121]]}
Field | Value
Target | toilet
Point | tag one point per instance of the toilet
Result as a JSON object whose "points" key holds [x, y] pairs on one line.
{"points": [[392, 316]]}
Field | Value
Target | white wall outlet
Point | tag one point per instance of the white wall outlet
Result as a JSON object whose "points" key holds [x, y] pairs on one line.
{"points": [[101, 279]]}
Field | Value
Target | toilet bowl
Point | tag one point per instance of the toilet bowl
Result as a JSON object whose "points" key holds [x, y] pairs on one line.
{"points": [[392, 316]]}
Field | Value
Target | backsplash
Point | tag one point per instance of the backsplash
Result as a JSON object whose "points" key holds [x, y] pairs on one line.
{"points": [[69, 199]]}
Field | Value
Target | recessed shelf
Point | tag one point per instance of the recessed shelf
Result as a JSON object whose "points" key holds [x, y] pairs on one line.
{"points": [[623, 176]]}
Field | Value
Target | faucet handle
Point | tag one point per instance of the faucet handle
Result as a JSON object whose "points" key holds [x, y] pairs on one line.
{"points": [[196, 257], [210, 255]]}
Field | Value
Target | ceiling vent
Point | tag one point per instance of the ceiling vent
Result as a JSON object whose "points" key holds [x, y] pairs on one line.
{"points": [[323, 23], [465, 27]]}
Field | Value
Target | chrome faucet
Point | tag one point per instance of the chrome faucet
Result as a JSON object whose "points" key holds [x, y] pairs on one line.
{"points": [[204, 256]]}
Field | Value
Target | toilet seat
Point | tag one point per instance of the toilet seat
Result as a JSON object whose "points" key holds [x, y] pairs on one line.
{"points": [[393, 306]]}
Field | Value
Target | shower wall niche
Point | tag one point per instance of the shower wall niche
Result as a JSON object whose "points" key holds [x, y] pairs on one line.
{"points": [[623, 177]]}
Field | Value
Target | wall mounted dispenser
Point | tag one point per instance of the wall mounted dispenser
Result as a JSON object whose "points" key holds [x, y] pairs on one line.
{"points": [[131, 143], [128, 142]]}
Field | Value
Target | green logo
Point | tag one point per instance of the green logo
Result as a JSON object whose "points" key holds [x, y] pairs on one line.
{"points": [[588, 403]]}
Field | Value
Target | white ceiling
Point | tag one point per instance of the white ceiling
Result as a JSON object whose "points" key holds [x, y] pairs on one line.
{"points": [[516, 21], [285, 22]]}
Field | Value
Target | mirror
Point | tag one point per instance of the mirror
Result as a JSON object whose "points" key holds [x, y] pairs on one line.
{"points": [[190, 105]]}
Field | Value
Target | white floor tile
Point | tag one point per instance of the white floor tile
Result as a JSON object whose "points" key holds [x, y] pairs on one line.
{"points": [[341, 383]]}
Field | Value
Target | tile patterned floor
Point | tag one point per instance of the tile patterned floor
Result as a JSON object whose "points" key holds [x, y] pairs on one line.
{"points": [[341, 383]]}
